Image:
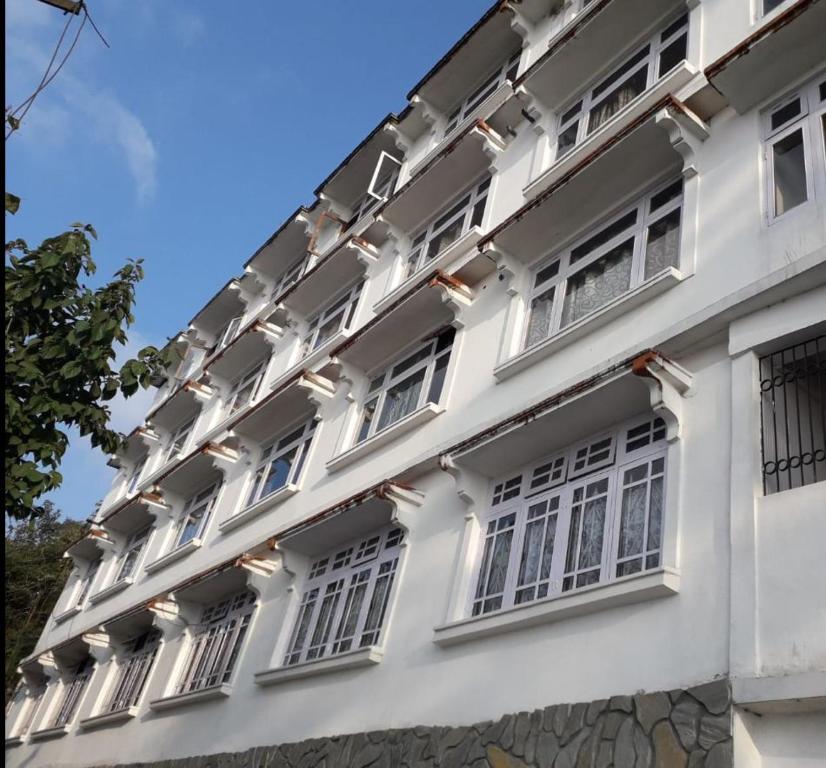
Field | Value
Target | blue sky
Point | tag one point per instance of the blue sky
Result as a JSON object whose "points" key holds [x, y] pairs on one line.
{"points": [[190, 140]]}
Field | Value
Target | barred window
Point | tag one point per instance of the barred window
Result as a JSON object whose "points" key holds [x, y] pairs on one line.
{"points": [[793, 415], [406, 385], [346, 598], [583, 516], [632, 247], [216, 643], [133, 672], [73, 691]]}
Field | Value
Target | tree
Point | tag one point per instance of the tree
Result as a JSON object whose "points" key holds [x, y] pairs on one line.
{"points": [[60, 345], [35, 574]]}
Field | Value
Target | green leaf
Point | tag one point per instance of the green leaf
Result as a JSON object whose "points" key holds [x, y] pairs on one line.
{"points": [[12, 201]]}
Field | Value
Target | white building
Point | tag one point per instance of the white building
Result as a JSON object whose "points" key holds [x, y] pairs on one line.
{"points": [[526, 409]]}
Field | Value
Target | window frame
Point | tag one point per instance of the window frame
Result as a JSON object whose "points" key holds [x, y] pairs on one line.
{"points": [[133, 479], [137, 542], [302, 444], [181, 435], [337, 574], [378, 393], [132, 672], [578, 111], [416, 258], [347, 302], [639, 231], [207, 499], [290, 276], [810, 122], [625, 459], [227, 333], [253, 375], [72, 693], [84, 588]]}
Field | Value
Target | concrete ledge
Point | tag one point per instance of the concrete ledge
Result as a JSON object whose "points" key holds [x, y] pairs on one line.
{"points": [[59, 618], [173, 556], [259, 508], [613, 309], [388, 434], [632, 589], [112, 589], [192, 697], [108, 718], [49, 733], [13, 741], [363, 657], [784, 694]]}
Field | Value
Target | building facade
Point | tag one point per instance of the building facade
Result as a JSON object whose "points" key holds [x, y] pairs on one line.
{"points": [[509, 449]]}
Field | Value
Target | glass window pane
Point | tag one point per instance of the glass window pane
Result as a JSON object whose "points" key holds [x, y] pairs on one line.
{"points": [[663, 246], [279, 473], [539, 322], [401, 399], [603, 236], [447, 236], [672, 55], [438, 381], [566, 140], [789, 172], [614, 102]]}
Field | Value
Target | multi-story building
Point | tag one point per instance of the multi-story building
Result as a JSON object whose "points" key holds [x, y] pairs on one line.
{"points": [[509, 448]]}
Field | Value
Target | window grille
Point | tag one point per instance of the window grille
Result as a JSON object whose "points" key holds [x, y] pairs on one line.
{"points": [[133, 672], [72, 692], [587, 515], [216, 644], [793, 415], [346, 598]]}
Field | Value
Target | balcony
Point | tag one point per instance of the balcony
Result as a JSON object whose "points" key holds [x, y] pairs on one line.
{"points": [[283, 247], [218, 321], [182, 404], [782, 50]]}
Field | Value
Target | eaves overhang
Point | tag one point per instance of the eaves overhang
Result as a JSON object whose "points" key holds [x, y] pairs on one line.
{"points": [[281, 248]]}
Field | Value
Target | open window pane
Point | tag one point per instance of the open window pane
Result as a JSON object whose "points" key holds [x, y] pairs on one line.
{"points": [[789, 164], [384, 177]]}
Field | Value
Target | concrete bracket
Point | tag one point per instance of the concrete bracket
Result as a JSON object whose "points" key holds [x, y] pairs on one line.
{"points": [[686, 132], [668, 383]]}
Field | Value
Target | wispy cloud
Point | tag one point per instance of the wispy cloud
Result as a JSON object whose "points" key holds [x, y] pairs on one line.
{"points": [[71, 107]]}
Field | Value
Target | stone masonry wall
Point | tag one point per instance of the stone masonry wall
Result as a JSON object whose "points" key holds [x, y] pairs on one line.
{"points": [[675, 729]]}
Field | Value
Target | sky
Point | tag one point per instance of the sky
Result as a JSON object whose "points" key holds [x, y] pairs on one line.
{"points": [[191, 139]]}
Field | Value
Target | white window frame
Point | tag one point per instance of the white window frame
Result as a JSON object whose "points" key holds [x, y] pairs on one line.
{"points": [[346, 304], [636, 443], [135, 548], [809, 121], [387, 183], [294, 273], [298, 438], [333, 580], [179, 437], [72, 692], [84, 589], [214, 647], [132, 672], [384, 380], [417, 257], [227, 333], [508, 70], [253, 376], [558, 282], [135, 475], [578, 110], [192, 361], [31, 706], [204, 501]]}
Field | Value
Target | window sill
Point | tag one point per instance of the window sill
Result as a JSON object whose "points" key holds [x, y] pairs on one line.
{"points": [[108, 718], [363, 657], [630, 590], [173, 556], [13, 741], [59, 618], [388, 434], [112, 589], [264, 505], [49, 733], [483, 111], [193, 697], [441, 261], [680, 76], [612, 310]]}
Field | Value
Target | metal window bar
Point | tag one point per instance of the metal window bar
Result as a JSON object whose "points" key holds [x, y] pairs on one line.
{"points": [[132, 676], [73, 692], [793, 415]]}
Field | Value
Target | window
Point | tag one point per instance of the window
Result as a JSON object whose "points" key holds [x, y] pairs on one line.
{"points": [[795, 148], [630, 79], [346, 597], [190, 363], [135, 475], [178, 441], [407, 385], [335, 317], [459, 217], [88, 579], [131, 555], [633, 247], [72, 691], [196, 515], [33, 702], [793, 415], [133, 672], [583, 516], [770, 5], [292, 275], [281, 462], [216, 643], [227, 334], [245, 388], [381, 187], [504, 72]]}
